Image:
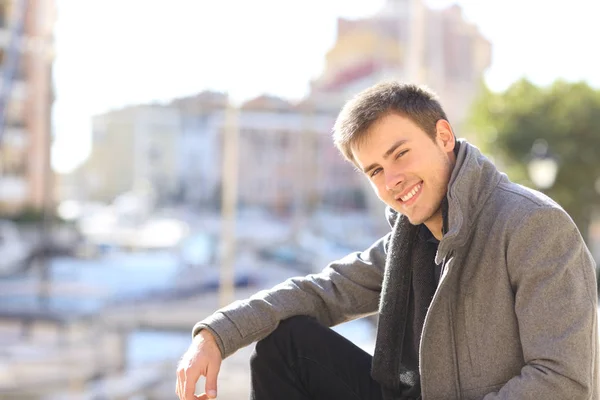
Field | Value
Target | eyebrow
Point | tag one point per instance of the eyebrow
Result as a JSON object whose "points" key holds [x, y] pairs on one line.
{"points": [[387, 153]]}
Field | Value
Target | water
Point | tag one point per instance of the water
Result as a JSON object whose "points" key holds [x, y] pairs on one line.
{"points": [[106, 279], [144, 347], [124, 275], [361, 332]]}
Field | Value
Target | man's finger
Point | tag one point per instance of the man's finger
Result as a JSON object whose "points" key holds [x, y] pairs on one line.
{"points": [[180, 381], [189, 389], [211, 380]]}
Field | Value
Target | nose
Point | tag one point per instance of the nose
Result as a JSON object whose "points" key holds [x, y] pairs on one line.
{"points": [[393, 179]]}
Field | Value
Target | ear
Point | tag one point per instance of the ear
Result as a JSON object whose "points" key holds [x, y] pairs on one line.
{"points": [[445, 135]]}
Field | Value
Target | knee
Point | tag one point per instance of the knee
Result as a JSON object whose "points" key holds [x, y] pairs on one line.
{"points": [[293, 329], [292, 326], [289, 333]]}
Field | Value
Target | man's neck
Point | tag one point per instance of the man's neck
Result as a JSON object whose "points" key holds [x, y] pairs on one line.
{"points": [[435, 224]]}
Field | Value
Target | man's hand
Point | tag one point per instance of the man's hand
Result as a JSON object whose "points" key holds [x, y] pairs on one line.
{"points": [[203, 358]]}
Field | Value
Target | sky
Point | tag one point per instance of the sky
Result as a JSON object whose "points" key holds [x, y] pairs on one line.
{"points": [[111, 53]]}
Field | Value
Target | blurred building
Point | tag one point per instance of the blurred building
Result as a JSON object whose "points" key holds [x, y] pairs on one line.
{"points": [[132, 148], [199, 149], [287, 160], [407, 40], [26, 57]]}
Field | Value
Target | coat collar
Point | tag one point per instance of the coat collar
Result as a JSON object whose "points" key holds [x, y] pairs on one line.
{"points": [[472, 182]]}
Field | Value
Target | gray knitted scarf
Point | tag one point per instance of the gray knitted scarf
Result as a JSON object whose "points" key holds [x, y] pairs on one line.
{"points": [[408, 287]]}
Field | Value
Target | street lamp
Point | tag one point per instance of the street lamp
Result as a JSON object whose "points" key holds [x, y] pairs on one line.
{"points": [[229, 197], [542, 167]]}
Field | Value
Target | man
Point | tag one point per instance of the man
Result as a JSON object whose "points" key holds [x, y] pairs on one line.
{"points": [[485, 289]]}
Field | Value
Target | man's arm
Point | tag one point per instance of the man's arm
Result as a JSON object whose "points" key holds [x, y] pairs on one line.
{"points": [[552, 274], [346, 289]]}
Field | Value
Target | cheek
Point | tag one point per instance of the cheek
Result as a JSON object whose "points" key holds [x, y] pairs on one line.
{"points": [[379, 190], [440, 176]]}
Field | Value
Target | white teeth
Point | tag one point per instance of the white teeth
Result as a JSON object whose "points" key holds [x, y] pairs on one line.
{"points": [[411, 193]]}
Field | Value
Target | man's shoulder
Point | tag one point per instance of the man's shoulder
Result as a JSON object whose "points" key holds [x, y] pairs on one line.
{"points": [[521, 198], [515, 204]]}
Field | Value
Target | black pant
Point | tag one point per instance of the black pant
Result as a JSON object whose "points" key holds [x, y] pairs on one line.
{"points": [[303, 360]]}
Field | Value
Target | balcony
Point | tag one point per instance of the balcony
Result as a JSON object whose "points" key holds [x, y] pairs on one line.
{"points": [[16, 112], [18, 88], [4, 36], [14, 137], [13, 189], [26, 43]]}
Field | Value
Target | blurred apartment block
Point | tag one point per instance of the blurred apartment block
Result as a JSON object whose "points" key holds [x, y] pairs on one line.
{"points": [[132, 148], [286, 157], [408, 41], [26, 44], [285, 154]]}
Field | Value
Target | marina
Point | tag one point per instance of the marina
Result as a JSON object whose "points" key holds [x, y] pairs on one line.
{"points": [[113, 326]]}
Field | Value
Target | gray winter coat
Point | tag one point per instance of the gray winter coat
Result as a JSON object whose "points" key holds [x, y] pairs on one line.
{"points": [[515, 313]]}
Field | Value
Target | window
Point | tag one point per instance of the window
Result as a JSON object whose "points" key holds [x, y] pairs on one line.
{"points": [[22, 69], [284, 140], [154, 154], [3, 6], [99, 134]]}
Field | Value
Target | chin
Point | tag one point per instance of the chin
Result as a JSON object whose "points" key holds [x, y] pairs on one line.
{"points": [[421, 218], [415, 221]]}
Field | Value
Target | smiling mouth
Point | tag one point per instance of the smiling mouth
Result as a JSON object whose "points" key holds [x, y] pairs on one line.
{"points": [[408, 196]]}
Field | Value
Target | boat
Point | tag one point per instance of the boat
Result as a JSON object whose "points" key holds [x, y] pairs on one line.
{"points": [[15, 252]]}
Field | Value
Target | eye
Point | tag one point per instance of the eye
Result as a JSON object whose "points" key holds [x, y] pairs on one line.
{"points": [[374, 172], [400, 154]]}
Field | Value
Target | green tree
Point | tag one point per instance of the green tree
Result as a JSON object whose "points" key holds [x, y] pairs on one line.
{"points": [[567, 117]]}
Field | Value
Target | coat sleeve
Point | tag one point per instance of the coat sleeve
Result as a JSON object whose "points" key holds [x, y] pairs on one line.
{"points": [[553, 278], [344, 290]]}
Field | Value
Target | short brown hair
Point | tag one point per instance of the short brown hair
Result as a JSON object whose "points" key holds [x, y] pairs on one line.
{"points": [[416, 103]]}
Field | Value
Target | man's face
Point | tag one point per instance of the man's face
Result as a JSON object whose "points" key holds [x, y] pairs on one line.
{"points": [[407, 169]]}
